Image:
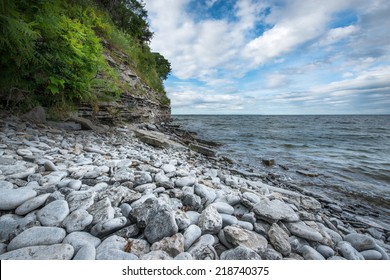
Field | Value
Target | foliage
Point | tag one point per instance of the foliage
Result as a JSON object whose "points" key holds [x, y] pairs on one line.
{"points": [[51, 51]]}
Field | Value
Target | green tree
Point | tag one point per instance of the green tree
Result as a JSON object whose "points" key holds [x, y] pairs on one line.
{"points": [[163, 66]]}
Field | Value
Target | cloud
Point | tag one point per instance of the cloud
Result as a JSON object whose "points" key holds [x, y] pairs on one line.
{"points": [[276, 80], [336, 34]]}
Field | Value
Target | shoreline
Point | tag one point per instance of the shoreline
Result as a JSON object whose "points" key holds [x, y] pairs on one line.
{"points": [[89, 195]]}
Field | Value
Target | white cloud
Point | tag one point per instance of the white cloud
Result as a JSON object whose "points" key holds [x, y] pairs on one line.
{"points": [[276, 80], [336, 34]]}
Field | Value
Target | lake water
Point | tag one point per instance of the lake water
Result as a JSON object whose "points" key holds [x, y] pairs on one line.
{"points": [[350, 153]]}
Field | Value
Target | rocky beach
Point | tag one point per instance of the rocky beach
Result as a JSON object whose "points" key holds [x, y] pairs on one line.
{"points": [[132, 192]]}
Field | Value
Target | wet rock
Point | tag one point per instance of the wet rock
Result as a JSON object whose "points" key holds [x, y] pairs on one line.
{"points": [[53, 213], [36, 236], [304, 231], [210, 221], [237, 236], [310, 253], [161, 224], [360, 242], [78, 220], [274, 210], [12, 198], [279, 239], [191, 234], [348, 251], [240, 253], [51, 252], [32, 204], [173, 245]]}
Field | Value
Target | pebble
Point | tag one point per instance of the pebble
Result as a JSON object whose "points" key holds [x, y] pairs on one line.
{"points": [[128, 232], [371, 255], [210, 221], [360, 242], [237, 236], [173, 245], [185, 181], [310, 253], [36, 236], [240, 253], [191, 234], [223, 208], [183, 256], [156, 255], [139, 247], [78, 220], [87, 252], [228, 220], [112, 248], [245, 225], [80, 199], [348, 251], [274, 210], [52, 252], [50, 166], [279, 239], [182, 219], [24, 152], [104, 228], [32, 204], [302, 230], [161, 224], [53, 213], [326, 251], [12, 198], [101, 211], [79, 239]]}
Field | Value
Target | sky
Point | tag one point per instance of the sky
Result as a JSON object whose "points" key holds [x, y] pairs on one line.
{"points": [[274, 56]]}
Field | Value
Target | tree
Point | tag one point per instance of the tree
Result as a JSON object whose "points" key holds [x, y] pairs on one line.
{"points": [[163, 66]]}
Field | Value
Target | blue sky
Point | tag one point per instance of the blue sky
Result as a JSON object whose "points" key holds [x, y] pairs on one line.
{"points": [[274, 56]]}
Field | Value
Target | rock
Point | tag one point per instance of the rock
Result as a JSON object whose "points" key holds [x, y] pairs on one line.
{"points": [[161, 178], [161, 224], [52, 252], [78, 220], [156, 255], [244, 225], [202, 150], [249, 217], [101, 211], [74, 184], [385, 256], [128, 232], [228, 220], [336, 258], [125, 209], [207, 193], [210, 221], [371, 255], [173, 245], [192, 201], [142, 178], [270, 254], [138, 247], [141, 212], [297, 244], [49, 166], [85, 123], [11, 225], [24, 152], [223, 208], [240, 253], [32, 204], [168, 168], [307, 173], [53, 213], [53, 178], [78, 200], [310, 253], [268, 162], [326, 251], [87, 252], [237, 236], [191, 234], [109, 226], [360, 242], [79, 239], [36, 236], [182, 220], [36, 115], [157, 139], [185, 181], [3, 248], [348, 252], [183, 256], [304, 231], [279, 239], [113, 248], [203, 249], [12, 198], [274, 210], [194, 217], [119, 195]]}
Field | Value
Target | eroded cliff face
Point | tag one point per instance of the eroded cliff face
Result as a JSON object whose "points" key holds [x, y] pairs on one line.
{"points": [[137, 103]]}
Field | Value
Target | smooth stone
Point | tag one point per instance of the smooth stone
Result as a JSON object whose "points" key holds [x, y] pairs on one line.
{"points": [[53, 213], [182, 219], [142, 199], [54, 178], [210, 221], [78, 220], [112, 248], [185, 181], [101, 211], [11, 225], [125, 209], [207, 193], [194, 217], [304, 231], [360, 242], [223, 208], [253, 198], [237, 236], [50, 166], [128, 232], [228, 220], [183, 256], [156, 255], [3, 248], [375, 233], [203, 248], [32, 204], [191, 234], [297, 244], [79, 239], [249, 217], [326, 251], [168, 168], [279, 239], [274, 210], [141, 212], [240, 253], [12, 198], [245, 225], [24, 152], [192, 201], [310, 253], [161, 224], [223, 241], [145, 187], [336, 258], [75, 184], [271, 254], [51, 252], [371, 255], [37, 236], [161, 178], [142, 178], [87, 252], [348, 251], [385, 256], [106, 227], [80, 199], [173, 245], [138, 247]]}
